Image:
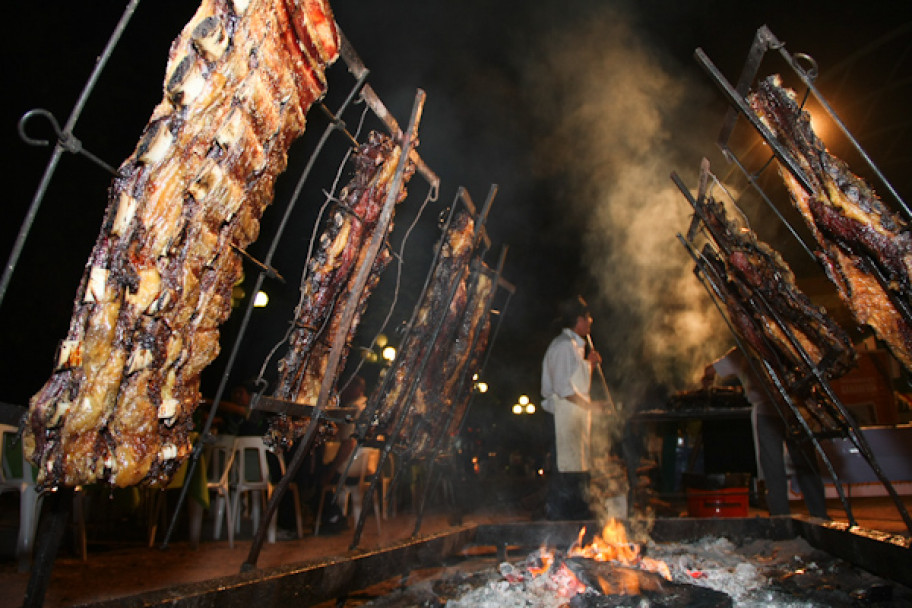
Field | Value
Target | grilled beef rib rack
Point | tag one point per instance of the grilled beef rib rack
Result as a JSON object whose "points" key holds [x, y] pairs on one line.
{"points": [[792, 345]]}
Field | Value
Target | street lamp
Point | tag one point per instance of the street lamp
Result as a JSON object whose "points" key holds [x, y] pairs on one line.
{"points": [[388, 353]]}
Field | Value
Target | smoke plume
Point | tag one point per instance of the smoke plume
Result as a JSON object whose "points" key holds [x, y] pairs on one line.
{"points": [[628, 118]]}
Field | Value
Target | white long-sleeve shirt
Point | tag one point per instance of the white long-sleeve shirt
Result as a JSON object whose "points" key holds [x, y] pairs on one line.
{"points": [[566, 372]]}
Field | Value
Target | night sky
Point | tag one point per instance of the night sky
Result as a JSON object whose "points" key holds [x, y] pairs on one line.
{"points": [[577, 110]]}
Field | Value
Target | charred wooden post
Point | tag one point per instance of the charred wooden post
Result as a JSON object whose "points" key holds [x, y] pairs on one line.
{"points": [[59, 511]]}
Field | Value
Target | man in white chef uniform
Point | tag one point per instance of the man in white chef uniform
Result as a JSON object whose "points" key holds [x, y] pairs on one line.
{"points": [[566, 378]]}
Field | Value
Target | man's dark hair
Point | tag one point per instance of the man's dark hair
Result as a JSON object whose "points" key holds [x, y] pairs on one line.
{"points": [[572, 308]]}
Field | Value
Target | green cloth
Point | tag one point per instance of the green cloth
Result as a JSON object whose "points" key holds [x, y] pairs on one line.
{"points": [[12, 457], [198, 488]]}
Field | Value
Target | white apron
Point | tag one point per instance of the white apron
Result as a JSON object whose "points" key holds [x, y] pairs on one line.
{"points": [[572, 426]]}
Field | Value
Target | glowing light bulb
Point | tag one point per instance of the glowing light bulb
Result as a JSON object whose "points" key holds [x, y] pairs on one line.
{"points": [[260, 300]]}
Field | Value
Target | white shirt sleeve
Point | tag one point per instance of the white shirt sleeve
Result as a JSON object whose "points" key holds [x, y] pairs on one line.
{"points": [[561, 369]]}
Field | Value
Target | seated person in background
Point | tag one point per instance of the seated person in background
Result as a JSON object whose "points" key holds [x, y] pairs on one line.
{"points": [[234, 414], [352, 396]]}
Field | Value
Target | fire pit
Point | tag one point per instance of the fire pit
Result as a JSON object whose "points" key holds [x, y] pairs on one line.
{"points": [[711, 562], [709, 572]]}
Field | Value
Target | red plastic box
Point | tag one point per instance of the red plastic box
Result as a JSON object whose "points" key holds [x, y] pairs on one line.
{"points": [[723, 502]]}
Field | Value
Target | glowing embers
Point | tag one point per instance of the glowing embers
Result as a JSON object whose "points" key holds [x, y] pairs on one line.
{"points": [[610, 571], [613, 568], [613, 546]]}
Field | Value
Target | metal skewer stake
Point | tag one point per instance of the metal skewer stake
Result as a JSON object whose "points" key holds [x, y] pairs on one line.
{"points": [[602, 378]]}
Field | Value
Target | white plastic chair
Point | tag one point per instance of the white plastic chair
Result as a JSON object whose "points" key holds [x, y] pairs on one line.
{"points": [[363, 466], [219, 467], [251, 461], [22, 481]]}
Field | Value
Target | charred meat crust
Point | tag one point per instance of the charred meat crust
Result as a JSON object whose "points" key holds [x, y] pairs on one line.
{"points": [[859, 238], [118, 406]]}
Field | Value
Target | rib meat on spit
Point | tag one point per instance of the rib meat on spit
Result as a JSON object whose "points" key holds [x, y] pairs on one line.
{"points": [[477, 327], [438, 400], [858, 236], [753, 269], [457, 245], [330, 274], [240, 78]]}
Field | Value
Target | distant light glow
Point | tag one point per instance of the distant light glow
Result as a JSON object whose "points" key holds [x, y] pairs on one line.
{"points": [[530, 408], [517, 409], [260, 300], [482, 387], [523, 399], [820, 122], [389, 353]]}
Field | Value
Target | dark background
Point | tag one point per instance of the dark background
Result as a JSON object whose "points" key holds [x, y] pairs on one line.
{"points": [[577, 110]]}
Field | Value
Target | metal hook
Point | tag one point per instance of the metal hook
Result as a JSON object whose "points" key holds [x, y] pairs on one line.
{"points": [[67, 141], [813, 69], [38, 112]]}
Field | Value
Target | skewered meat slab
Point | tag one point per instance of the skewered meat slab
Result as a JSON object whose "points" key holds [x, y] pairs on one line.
{"points": [[433, 395], [456, 250], [329, 278], [754, 268], [330, 271], [446, 383], [744, 324], [858, 236], [239, 81], [476, 330]]}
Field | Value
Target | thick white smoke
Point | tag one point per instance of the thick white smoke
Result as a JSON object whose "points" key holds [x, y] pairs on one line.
{"points": [[628, 118]]}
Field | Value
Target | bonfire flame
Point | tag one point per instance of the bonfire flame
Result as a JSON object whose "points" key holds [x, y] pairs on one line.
{"points": [[611, 546], [546, 557]]}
